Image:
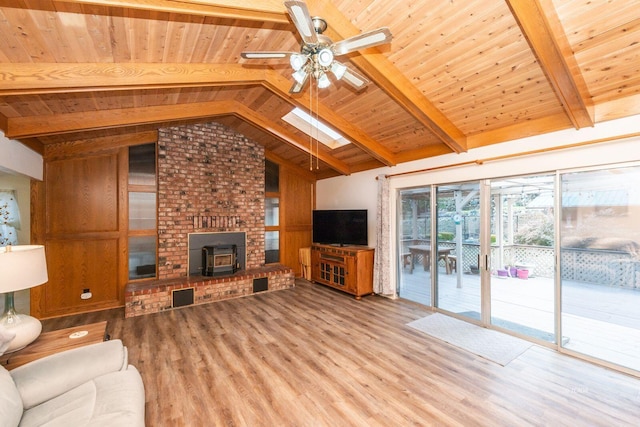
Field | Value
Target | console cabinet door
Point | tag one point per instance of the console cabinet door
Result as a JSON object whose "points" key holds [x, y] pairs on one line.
{"points": [[351, 274]]}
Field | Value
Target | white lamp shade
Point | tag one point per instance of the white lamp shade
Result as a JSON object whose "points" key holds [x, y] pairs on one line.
{"points": [[22, 267], [325, 57], [301, 76], [323, 81], [297, 61], [338, 70]]}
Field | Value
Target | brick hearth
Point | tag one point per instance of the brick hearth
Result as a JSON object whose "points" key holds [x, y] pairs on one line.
{"points": [[155, 296]]}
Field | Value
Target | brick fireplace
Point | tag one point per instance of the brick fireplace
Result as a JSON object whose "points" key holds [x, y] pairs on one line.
{"points": [[210, 181]]}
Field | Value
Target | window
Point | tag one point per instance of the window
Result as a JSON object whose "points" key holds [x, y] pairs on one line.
{"points": [[9, 218], [272, 213], [312, 127], [142, 211]]}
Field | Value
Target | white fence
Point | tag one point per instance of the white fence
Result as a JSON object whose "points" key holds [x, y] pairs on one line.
{"points": [[611, 268]]}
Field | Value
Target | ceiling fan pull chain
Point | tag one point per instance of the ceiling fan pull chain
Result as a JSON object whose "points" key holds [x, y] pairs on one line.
{"points": [[311, 125], [317, 127]]}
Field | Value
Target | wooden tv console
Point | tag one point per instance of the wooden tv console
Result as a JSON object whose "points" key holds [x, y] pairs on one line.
{"points": [[348, 268]]}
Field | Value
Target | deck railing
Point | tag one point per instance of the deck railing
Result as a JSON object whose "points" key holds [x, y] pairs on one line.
{"points": [[603, 267]]}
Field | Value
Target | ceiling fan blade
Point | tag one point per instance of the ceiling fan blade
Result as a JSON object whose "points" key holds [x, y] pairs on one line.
{"points": [[357, 80], [361, 41], [302, 20], [266, 55]]}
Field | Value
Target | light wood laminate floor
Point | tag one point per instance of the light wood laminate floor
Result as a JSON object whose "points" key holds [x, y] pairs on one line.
{"points": [[312, 356]]}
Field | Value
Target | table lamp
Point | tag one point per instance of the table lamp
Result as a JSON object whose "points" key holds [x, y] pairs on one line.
{"points": [[21, 267]]}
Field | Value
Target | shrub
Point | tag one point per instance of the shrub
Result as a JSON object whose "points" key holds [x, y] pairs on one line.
{"points": [[540, 235], [445, 236]]}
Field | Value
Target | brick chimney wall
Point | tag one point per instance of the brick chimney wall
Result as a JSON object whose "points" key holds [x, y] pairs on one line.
{"points": [[210, 179]]}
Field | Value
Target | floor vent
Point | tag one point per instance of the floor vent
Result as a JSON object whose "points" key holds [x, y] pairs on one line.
{"points": [[182, 297], [261, 284]]}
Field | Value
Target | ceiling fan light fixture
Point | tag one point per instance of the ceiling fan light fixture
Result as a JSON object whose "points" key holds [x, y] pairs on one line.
{"points": [[300, 76], [323, 81], [325, 57], [338, 70], [297, 61], [316, 57]]}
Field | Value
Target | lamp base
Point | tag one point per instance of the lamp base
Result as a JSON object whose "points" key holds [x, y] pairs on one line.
{"points": [[26, 328]]}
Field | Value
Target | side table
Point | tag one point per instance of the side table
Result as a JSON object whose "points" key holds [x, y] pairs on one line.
{"points": [[55, 342]]}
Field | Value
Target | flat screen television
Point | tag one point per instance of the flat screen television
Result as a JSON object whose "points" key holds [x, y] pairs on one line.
{"points": [[340, 227]]}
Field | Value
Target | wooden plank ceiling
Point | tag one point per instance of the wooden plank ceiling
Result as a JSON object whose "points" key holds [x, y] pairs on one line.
{"points": [[457, 74]]}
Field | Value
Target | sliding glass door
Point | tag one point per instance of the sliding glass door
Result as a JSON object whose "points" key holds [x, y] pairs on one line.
{"points": [[490, 255], [522, 256], [414, 233], [506, 225], [456, 255], [600, 264]]}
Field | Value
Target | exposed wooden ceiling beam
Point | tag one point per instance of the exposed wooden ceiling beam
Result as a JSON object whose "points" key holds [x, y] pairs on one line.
{"points": [[541, 27], [250, 10], [30, 78], [123, 72], [97, 145], [41, 78], [520, 130], [20, 127], [390, 79], [618, 108]]}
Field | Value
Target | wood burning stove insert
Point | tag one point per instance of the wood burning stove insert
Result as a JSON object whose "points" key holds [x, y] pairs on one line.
{"points": [[219, 260], [197, 241]]}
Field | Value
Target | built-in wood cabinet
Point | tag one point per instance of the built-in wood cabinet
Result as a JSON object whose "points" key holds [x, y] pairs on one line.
{"points": [[348, 268], [80, 213], [81, 229], [296, 202]]}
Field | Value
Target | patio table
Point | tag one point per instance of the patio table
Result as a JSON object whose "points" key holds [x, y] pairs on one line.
{"points": [[425, 252]]}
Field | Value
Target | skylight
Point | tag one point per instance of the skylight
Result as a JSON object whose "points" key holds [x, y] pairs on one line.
{"points": [[309, 125]]}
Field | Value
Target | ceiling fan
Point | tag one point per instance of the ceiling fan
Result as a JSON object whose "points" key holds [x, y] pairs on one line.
{"points": [[317, 53]]}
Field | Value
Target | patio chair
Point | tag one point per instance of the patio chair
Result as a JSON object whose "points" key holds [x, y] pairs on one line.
{"points": [[450, 262]]}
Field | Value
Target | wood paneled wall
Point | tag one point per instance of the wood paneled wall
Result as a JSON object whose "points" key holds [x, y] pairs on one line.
{"points": [[297, 200], [82, 204], [80, 214]]}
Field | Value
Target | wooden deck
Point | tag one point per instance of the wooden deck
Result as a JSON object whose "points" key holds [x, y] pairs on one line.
{"points": [[313, 356], [598, 320]]}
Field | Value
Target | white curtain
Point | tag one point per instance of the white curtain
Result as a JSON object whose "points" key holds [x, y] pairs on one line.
{"points": [[9, 218], [382, 283]]}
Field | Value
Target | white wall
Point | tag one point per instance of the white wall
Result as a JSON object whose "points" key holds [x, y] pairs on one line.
{"points": [[18, 164], [22, 185], [17, 158], [358, 191]]}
